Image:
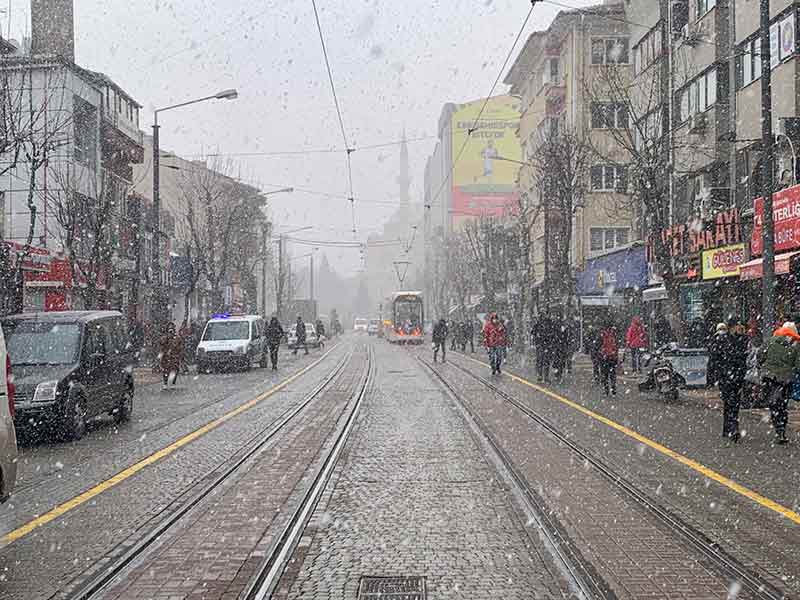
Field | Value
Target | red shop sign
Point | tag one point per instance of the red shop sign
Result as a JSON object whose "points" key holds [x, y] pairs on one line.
{"points": [[786, 214]]}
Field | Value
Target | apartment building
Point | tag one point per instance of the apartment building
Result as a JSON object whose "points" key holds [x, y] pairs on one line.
{"points": [[558, 77], [84, 139]]}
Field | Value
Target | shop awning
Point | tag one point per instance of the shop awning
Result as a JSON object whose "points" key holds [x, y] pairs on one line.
{"points": [[654, 293], [755, 268], [602, 300]]}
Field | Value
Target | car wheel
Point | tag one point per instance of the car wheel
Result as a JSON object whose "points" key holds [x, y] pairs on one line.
{"points": [[125, 408], [75, 421]]}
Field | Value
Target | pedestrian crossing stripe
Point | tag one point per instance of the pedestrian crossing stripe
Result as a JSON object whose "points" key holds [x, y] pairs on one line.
{"points": [[684, 460], [129, 472]]}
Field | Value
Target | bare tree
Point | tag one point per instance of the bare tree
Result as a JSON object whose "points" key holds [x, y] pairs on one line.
{"points": [[87, 206], [35, 120], [650, 153], [222, 215], [561, 164]]}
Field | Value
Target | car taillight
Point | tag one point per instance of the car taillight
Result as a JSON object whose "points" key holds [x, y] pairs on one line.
{"points": [[12, 388]]}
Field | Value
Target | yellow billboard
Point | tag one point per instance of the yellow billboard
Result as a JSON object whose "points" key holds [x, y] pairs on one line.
{"points": [[485, 174]]}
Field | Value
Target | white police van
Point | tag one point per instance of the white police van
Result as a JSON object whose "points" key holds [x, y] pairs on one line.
{"points": [[231, 341]]}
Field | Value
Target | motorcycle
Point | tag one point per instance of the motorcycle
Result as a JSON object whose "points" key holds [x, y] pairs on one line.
{"points": [[662, 376]]}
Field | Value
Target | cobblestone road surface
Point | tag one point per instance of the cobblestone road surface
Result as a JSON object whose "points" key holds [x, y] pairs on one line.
{"points": [[755, 535], [414, 496], [222, 541], [44, 561]]}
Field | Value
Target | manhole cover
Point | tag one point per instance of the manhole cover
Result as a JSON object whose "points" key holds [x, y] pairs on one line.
{"points": [[394, 588]]}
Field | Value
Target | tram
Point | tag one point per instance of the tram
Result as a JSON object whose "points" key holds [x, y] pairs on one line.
{"points": [[407, 319]]}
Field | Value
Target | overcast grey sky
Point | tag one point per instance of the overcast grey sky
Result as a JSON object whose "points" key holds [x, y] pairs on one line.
{"points": [[394, 65]]}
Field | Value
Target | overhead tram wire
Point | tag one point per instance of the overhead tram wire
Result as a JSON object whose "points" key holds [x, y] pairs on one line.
{"points": [[483, 107], [315, 150], [348, 149]]}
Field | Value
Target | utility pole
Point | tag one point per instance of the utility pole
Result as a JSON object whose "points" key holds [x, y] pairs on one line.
{"points": [[157, 310], [768, 226], [266, 234], [732, 99], [281, 287], [311, 277]]}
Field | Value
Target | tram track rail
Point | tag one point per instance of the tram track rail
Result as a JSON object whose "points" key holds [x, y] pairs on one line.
{"points": [[752, 582], [172, 514], [264, 583]]}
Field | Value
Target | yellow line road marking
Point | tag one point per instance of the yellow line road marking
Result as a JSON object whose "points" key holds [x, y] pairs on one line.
{"points": [[129, 472], [684, 460]]}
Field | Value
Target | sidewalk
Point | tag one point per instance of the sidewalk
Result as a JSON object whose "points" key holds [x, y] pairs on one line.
{"points": [[707, 398]]}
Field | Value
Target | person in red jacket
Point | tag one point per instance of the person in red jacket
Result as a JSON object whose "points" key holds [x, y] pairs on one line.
{"points": [[608, 357], [636, 341], [495, 338]]}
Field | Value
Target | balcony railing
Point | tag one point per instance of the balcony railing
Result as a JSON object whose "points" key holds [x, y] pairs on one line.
{"points": [[124, 125]]}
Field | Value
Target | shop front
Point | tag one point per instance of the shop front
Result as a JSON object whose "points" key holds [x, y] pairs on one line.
{"points": [[786, 218], [707, 256], [612, 284]]}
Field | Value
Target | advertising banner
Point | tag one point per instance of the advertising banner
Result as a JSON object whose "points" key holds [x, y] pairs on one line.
{"points": [[723, 262], [620, 270], [786, 215], [484, 177]]}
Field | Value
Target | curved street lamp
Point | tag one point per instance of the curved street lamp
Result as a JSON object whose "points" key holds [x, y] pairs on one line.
{"points": [[159, 304]]}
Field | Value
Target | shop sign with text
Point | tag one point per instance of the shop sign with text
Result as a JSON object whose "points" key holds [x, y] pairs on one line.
{"points": [[723, 262], [695, 236], [786, 216]]}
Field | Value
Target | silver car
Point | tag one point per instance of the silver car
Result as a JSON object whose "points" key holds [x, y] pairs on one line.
{"points": [[8, 437]]}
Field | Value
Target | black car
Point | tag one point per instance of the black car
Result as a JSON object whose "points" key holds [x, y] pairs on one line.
{"points": [[68, 368]]}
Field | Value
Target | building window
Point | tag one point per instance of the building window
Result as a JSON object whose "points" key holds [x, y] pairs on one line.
{"points": [[609, 178], [699, 95], [703, 6], [550, 72], [610, 51], [606, 238], [783, 44], [85, 132], [609, 115], [648, 50]]}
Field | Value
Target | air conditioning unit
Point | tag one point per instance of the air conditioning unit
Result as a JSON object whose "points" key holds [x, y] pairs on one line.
{"points": [[697, 123]]}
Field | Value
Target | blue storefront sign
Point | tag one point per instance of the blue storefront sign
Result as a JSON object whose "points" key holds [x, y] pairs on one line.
{"points": [[616, 271]]}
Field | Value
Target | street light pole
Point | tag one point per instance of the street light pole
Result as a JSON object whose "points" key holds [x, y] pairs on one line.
{"points": [[159, 308], [768, 226]]}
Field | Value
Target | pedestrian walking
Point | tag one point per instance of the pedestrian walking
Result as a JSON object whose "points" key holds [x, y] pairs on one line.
{"points": [[511, 331], [781, 363], [592, 347], [440, 331], [727, 365], [300, 335], [320, 327], [469, 335], [543, 338], [662, 332], [170, 352], [609, 356], [495, 338], [637, 342], [274, 336], [453, 330], [574, 341]]}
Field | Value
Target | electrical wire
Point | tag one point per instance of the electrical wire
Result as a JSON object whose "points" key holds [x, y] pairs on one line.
{"points": [[355, 148], [348, 148], [486, 101]]}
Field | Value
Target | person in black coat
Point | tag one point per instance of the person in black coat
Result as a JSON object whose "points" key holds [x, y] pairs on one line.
{"points": [[727, 366], [274, 336], [469, 335], [543, 334], [300, 334], [440, 339]]}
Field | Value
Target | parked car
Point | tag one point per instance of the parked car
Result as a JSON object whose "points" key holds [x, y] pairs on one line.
{"points": [[360, 325], [374, 327], [312, 340], [233, 341], [8, 436], [70, 367]]}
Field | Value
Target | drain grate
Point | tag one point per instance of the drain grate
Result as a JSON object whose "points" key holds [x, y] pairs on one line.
{"points": [[392, 588]]}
